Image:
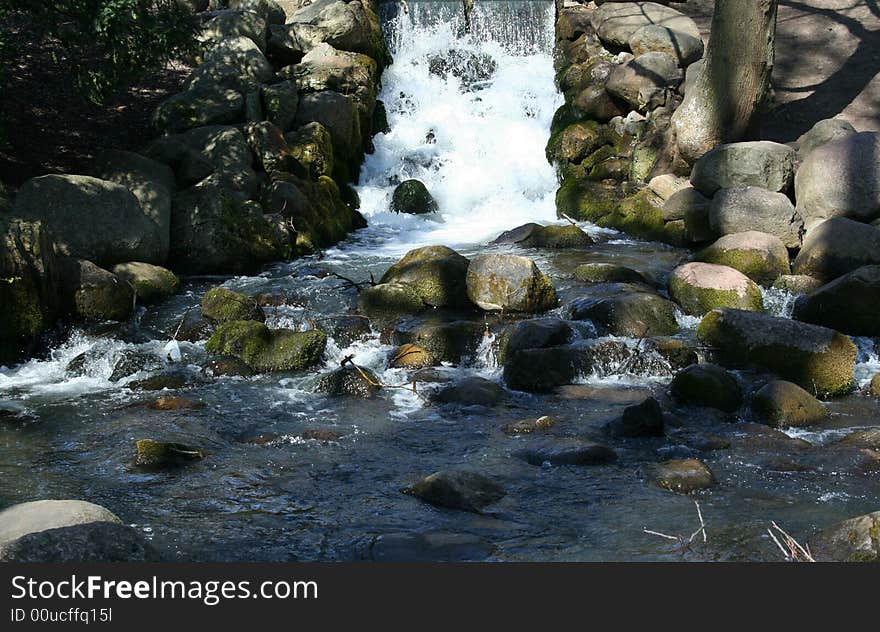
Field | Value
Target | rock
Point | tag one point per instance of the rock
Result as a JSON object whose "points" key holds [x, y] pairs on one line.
{"points": [[162, 454], [782, 404], [567, 452], [445, 341], [840, 179], [91, 219], [678, 353], [821, 133], [92, 294], [683, 475], [837, 246], [639, 420], [242, 53], [222, 306], [472, 391], [741, 209], [351, 381], [853, 540], [68, 531], [576, 142], [227, 24], [152, 284], [436, 273], [322, 434], [510, 283], [280, 102], [28, 286], [529, 426], [666, 185], [617, 22], [339, 114], [700, 287], [270, 10], [797, 283], [537, 236], [636, 314], [413, 198], [473, 69], [643, 82], [175, 403], [533, 334], [204, 105], [312, 146], [387, 302], [586, 200], [267, 350], [685, 49], [867, 438], [409, 356], [874, 388], [213, 231], [818, 359], [756, 163], [271, 150], [226, 150], [607, 273], [760, 256], [464, 490], [541, 370], [850, 304], [707, 385], [677, 205], [429, 547], [162, 382], [227, 366], [594, 103]]}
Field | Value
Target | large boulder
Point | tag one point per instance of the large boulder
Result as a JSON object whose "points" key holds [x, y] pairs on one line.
{"points": [[222, 306], [635, 314], [841, 179], [231, 23], [325, 68], [471, 391], [244, 54], [533, 334], [151, 284], [536, 236], [837, 246], [850, 303], [280, 102], [271, 150], [684, 48], [339, 114], [151, 182], [387, 302], [707, 385], [782, 404], [444, 341], [270, 10], [700, 287], [823, 132], [92, 294], [66, 531], [510, 283], [350, 381], [207, 104], [853, 540], [267, 350], [740, 209], [755, 163], [608, 273], [459, 489], [91, 219], [816, 358], [617, 22], [437, 274], [760, 256], [412, 197], [644, 81], [312, 146]]}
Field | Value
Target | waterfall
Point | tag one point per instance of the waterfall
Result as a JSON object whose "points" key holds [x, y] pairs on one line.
{"points": [[469, 114]]}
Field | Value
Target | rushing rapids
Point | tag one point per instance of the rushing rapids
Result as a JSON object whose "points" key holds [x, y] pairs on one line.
{"points": [[294, 474]]}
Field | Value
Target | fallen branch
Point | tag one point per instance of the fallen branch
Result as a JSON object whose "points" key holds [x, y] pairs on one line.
{"points": [[792, 551], [380, 385], [685, 543]]}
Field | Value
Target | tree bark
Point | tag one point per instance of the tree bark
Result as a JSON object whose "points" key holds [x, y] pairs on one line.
{"points": [[733, 83]]}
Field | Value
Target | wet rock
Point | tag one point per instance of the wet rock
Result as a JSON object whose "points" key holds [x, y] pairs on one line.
{"points": [[683, 475], [643, 82], [444, 341], [677, 352], [782, 404], [634, 314], [684, 48], [322, 434], [387, 302], [93, 294], [542, 370], [818, 359], [740, 209], [152, 284], [749, 164], [617, 22], [821, 133], [707, 385], [270, 149], [850, 303], [841, 179], [853, 540], [537, 236], [472, 391], [533, 334], [437, 274], [754, 437], [226, 367], [608, 273], [268, 350], [162, 454], [339, 114], [529, 426], [567, 452], [346, 329], [866, 438], [130, 362], [837, 246], [222, 306], [349, 380], [510, 283], [410, 356], [464, 490], [700, 287], [68, 531], [159, 383], [797, 283], [472, 68], [429, 547], [874, 387], [760, 256], [639, 420], [175, 403]]}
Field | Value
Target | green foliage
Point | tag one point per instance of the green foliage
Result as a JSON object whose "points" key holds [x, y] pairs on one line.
{"points": [[105, 43]]}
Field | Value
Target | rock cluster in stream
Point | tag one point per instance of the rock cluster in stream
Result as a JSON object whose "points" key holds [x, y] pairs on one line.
{"points": [[252, 163]]}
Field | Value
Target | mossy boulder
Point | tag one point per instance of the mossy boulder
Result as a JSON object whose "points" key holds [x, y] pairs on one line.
{"points": [[683, 476], [637, 314], [816, 358], [410, 356], [700, 287], [853, 540], [640, 214], [471, 391], [510, 283], [280, 101], [782, 404], [92, 294], [436, 273], [797, 283], [413, 197], [351, 381], [202, 105], [386, 302], [587, 200], [537, 236], [452, 341], [222, 306], [151, 284], [312, 146], [850, 304], [760, 256], [575, 142], [607, 273], [874, 386], [162, 454], [267, 350], [707, 385], [639, 420]]}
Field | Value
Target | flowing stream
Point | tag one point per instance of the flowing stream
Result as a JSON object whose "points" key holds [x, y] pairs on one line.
{"points": [[469, 115]]}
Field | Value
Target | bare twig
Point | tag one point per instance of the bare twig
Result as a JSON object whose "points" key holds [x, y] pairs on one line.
{"points": [[792, 551], [365, 376], [564, 216], [684, 543], [355, 284]]}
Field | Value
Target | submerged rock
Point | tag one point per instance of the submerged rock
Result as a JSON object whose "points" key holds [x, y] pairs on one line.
{"points": [[528, 426], [464, 490], [268, 350], [608, 273], [537, 236], [639, 420], [635, 314], [162, 454], [782, 404], [429, 547], [700, 287], [472, 391], [707, 385], [567, 452], [222, 306], [683, 475], [509, 283]]}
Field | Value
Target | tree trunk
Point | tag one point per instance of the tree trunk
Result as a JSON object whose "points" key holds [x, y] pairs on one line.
{"points": [[735, 78]]}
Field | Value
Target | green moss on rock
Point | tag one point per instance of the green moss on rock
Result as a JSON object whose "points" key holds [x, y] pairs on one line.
{"points": [[268, 350], [222, 305]]}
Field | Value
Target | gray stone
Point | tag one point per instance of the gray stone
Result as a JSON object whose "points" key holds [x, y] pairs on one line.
{"points": [[740, 209], [567, 452], [205, 105], [706, 385], [822, 133], [634, 314], [853, 540], [783, 404], [510, 283], [837, 246], [683, 202], [850, 303], [755, 163], [642, 82], [472, 391], [463, 490], [226, 24], [684, 48], [617, 22]]}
